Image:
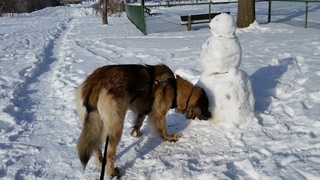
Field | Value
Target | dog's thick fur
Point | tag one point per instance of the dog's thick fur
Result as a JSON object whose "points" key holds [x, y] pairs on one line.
{"points": [[105, 96]]}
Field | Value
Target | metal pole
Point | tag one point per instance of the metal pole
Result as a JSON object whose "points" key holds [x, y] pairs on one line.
{"points": [[269, 11], [189, 23], [209, 10], [144, 24], [306, 20]]}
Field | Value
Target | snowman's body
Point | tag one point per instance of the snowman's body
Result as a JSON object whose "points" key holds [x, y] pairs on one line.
{"points": [[228, 88], [219, 54]]}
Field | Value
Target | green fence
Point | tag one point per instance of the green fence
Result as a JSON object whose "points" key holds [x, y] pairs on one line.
{"points": [[307, 8], [135, 14], [135, 11]]}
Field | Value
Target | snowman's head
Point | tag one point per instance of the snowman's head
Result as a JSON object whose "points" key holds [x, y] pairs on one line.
{"points": [[223, 25]]}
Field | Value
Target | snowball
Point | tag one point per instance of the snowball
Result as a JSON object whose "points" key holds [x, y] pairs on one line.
{"points": [[223, 25], [219, 54]]}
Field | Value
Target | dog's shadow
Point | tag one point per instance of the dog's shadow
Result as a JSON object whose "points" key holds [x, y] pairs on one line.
{"points": [[149, 141]]}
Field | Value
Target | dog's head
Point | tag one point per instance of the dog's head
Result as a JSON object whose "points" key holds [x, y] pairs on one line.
{"points": [[192, 100], [198, 105]]}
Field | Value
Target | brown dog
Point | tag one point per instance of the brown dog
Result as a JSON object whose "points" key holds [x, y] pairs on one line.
{"points": [[105, 96]]}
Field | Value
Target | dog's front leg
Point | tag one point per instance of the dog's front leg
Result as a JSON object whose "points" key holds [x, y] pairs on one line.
{"points": [[137, 125], [158, 121], [163, 131]]}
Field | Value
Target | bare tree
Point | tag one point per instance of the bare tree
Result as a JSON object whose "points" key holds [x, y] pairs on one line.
{"points": [[8, 6], [33, 5], [104, 11], [111, 7], [22, 6], [1, 7], [246, 13]]}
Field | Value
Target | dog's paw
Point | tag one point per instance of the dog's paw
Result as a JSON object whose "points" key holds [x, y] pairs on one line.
{"points": [[136, 133], [172, 138], [116, 173]]}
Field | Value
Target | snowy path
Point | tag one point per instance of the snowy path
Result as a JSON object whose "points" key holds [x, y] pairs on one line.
{"points": [[35, 108], [46, 54]]}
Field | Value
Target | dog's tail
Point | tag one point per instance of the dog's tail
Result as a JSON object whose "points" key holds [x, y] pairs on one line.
{"points": [[81, 110], [90, 137]]}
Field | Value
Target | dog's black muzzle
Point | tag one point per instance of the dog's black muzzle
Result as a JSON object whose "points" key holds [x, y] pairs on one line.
{"points": [[206, 115]]}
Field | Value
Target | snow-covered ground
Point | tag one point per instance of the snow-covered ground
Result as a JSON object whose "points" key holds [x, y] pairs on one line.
{"points": [[45, 55]]}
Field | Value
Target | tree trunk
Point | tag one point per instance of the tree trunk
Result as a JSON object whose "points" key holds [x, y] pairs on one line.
{"points": [[1, 8], [104, 12], [246, 13]]}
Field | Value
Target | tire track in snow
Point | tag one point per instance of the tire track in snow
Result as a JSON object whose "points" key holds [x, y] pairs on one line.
{"points": [[109, 50]]}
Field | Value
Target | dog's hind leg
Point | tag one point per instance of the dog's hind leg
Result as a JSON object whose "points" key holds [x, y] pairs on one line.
{"points": [[98, 157], [112, 111], [137, 124]]}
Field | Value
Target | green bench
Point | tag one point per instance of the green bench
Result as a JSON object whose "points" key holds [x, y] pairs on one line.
{"points": [[197, 19]]}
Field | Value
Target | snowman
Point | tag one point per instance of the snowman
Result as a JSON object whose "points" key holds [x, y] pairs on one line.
{"points": [[228, 88]]}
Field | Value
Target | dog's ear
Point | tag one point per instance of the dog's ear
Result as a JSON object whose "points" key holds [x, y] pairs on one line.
{"points": [[183, 90], [198, 105], [178, 77]]}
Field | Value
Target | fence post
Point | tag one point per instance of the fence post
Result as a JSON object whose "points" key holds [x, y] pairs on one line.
{"points": [[189, 23], [209, 10], [269, 11], [144, 24], [306, 20]]}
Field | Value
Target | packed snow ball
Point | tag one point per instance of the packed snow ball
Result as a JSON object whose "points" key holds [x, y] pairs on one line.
{"points": [[223, 25]]}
